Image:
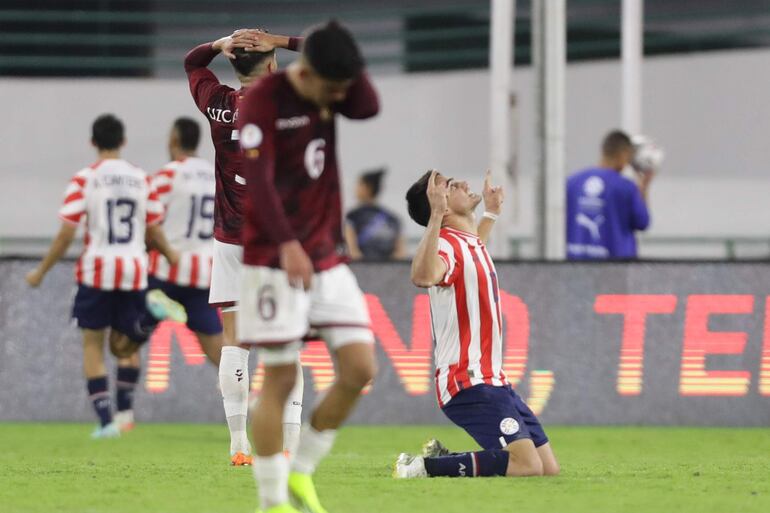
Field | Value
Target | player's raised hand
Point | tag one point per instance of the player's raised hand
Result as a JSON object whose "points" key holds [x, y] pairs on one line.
{"points": [[34, 278], [493, 195], [296, 263], [242, 38], [438, 194], [264, 42]]}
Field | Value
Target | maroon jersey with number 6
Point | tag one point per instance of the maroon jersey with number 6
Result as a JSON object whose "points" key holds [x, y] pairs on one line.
{"points": [[293, 183], [219, 103]]}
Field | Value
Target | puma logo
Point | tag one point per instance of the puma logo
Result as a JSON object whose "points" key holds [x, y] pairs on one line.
{"points": [[462, 470], [239, 375], [592, 225]]}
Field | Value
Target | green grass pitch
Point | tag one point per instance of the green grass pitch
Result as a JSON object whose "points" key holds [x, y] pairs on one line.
{"points": [[181, 468]]}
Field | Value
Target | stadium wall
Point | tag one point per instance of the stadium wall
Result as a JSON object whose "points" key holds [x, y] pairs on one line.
{"points": [[703, 108], [657, 343]]}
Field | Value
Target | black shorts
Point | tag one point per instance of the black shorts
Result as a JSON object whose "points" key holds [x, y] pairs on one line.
{"points": [[124, 311], [201, 317], [494, 416]]}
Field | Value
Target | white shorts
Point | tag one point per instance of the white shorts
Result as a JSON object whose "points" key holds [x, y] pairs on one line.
{"points": [[225, 273], [276, 316]]}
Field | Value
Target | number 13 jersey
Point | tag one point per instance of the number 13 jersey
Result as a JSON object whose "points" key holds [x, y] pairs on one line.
{"points": [[186, 189], [118, 201]]}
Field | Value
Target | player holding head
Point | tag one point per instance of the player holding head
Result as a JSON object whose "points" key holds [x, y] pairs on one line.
{"points": [[295, 277], [252, 55], [453, 263], [121, 209], [186, 188]]}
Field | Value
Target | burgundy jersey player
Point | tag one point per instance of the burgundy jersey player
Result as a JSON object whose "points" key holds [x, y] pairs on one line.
{"points": [[219, 103], [294, 184], [252, 55], [295, 277]]}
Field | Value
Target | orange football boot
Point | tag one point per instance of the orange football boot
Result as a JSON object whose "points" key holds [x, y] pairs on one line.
{"points": [[241, 460]]}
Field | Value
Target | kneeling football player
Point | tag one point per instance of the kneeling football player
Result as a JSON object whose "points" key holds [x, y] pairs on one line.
{"points": [[452, 262]]}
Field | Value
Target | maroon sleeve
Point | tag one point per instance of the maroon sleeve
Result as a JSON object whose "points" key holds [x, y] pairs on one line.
{"points": [[256, 123], [295, 43], [361, 101], [203, 82]]}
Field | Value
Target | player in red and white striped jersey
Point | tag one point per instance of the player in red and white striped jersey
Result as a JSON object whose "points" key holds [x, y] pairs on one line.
{"points": [[453, 263], [185, 187], [121, 210]]}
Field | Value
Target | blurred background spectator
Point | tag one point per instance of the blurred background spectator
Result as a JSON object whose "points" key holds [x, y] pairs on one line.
{"points": [[604, 208], [373, 232]]}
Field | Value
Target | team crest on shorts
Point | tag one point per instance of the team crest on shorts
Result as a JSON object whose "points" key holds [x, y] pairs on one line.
{"points": [[509, 426]]}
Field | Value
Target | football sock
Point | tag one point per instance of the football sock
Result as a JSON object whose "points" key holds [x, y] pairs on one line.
{"points": [[234, 383], [291, 438], [469, 464], [313, 447], [272, 476], [127, 378], [292, 416], [100, 397]]}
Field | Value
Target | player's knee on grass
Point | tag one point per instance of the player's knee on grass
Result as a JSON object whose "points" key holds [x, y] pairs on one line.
{"points": [[523, 459], [551, 469], [550, 464]]}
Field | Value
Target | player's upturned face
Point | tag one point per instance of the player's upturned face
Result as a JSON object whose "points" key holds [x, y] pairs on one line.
{"points": [[461, 199]]}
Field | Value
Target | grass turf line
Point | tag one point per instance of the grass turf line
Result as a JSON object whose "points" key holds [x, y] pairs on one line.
{"points": [[182, 468]]}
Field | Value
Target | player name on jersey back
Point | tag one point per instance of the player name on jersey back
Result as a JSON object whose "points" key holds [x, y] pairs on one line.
{"points": [[186, 188], [117, 201]]}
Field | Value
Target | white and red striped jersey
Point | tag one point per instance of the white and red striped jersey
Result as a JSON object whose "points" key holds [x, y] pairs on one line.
{"points": [[118, 202], [466, 317], [186, 189]]}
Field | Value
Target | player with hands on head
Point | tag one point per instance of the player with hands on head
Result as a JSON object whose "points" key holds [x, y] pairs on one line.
{"points": [[295, 275], [251, 52]]}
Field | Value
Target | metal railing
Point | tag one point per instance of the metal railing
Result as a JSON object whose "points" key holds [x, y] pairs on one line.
{"points": [[148, 37]]}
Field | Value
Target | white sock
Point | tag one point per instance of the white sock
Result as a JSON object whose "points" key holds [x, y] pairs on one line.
{"points": [[291, 438], [234, 383], [313, 447], [292, 415], [272, 476]]}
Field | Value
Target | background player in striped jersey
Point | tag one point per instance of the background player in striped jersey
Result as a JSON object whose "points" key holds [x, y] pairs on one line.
{"points": [[294, 273], [185, 186], [121, 209], [453, 263], [219, 103]]}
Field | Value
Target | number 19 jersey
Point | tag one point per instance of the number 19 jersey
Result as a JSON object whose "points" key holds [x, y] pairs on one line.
{"points": [[186, 189], [118, 201]]}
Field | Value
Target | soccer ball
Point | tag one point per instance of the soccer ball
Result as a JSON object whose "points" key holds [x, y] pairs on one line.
{"points": [[648, 156]]}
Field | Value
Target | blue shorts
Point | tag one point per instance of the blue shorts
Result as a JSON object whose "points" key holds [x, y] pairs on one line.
{"points": [[201, 317], [122, 310], [494, 416]]}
